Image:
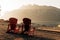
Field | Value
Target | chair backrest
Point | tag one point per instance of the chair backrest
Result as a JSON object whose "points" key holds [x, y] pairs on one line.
{"points": [[27, 21], [13, 21]]}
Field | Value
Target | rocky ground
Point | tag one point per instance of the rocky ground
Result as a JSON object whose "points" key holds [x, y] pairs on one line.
{"points": [[38, 35]]}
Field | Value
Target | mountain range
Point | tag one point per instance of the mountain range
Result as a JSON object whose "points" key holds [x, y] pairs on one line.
{"points": [[41, 14]]}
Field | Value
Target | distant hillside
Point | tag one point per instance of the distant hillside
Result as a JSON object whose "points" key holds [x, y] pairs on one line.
{"points": [[37, 13]]}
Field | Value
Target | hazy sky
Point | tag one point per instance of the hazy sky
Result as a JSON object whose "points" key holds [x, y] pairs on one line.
{"points": [[9, 5]]}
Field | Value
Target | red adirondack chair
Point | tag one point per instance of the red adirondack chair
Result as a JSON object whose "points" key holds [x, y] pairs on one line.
{"points": [[12, 25], [27, 26]]}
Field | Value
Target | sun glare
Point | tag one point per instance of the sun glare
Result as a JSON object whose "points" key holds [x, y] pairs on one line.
{"points": [[58, 25], [9, 5]]}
